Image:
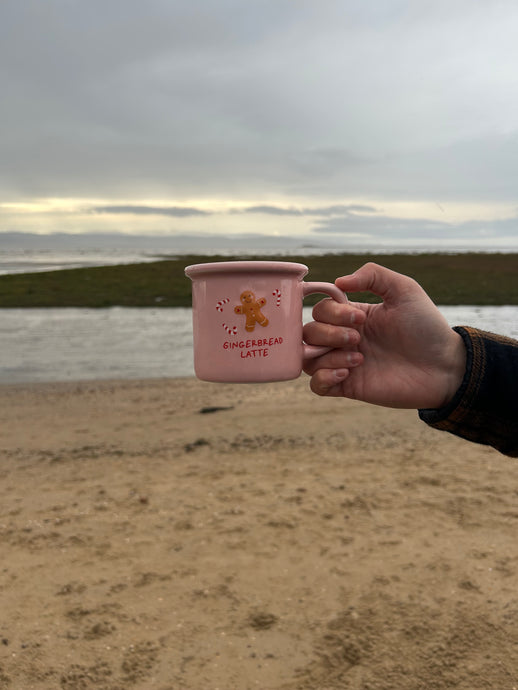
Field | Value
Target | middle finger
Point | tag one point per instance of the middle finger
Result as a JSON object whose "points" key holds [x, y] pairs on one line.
{"points": [[319, 333], [338, 314]]}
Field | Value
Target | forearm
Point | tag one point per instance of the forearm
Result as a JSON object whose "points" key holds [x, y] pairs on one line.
{"points": [[485, 407]]}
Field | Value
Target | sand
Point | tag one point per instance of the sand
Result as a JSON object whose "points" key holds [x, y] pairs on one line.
{"points": [[281, 541]]}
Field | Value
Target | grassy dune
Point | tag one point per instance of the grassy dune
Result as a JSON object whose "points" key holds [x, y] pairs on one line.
{"points": [[481, 279]]}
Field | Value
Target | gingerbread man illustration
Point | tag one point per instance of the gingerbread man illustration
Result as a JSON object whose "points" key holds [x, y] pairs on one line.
{"points": [[251, 307]]}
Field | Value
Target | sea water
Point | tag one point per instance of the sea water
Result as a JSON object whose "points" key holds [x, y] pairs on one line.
{"points": [[38, 345]]}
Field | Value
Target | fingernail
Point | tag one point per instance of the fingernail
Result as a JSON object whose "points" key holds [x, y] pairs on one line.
{"points": [[354, 359], [340, 374]]}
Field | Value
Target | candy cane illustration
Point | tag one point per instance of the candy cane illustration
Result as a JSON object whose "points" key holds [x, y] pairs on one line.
{"points": [[277, 293], [231, 330], [221, 303]]}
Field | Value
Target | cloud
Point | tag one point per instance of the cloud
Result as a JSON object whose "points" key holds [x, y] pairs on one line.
{"points": [[271, 210], [386, 228], [385, 100], [333, 210], [185, 211], [174, 211]]}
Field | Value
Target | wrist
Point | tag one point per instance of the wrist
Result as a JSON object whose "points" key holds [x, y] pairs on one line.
{"points": [[455, 358]]}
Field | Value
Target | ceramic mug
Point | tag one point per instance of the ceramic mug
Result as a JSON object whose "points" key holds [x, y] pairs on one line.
{"points": [[247, 320]]}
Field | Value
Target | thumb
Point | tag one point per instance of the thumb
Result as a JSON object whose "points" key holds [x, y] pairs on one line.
{"points": [[392, 287]]}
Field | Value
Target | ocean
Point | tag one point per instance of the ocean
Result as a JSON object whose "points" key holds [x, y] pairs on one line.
{"points": [[21, 253], [24, 253], [43, 345]]}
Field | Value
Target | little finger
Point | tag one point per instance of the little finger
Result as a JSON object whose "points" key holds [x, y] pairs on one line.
{"points": [[328, 382]]}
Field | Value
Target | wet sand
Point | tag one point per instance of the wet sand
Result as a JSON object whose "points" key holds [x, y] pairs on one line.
{"points": [[183, 535]]}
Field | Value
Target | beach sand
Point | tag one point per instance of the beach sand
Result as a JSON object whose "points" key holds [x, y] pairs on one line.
{"points": [[280, 541]]}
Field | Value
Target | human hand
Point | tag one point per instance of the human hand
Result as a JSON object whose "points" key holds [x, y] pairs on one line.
{"points": [[404, 354]]}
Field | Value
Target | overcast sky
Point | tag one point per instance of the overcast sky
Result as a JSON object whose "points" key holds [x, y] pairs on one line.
{"points": [[375, 120]]}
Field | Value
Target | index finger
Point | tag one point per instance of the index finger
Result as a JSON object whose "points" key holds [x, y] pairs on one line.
{"points": [[391, 286]]}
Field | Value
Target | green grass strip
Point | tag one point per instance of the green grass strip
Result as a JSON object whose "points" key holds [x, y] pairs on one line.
{"points": [[449, 279]]}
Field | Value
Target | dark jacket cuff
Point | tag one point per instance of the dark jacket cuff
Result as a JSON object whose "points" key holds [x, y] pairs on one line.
{"points": [[485, 407]]}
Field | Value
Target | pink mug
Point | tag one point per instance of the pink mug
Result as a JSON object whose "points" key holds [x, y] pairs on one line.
{"points": [[247, 320]]}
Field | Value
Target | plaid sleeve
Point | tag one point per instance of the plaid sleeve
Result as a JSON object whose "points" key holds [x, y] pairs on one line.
{"points": [[485, 408]]}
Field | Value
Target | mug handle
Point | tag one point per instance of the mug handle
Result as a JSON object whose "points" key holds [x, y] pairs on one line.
{"points": [[312, 288]]}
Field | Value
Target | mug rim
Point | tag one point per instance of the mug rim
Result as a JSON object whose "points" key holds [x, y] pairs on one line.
{"points": [[195, 270]]}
